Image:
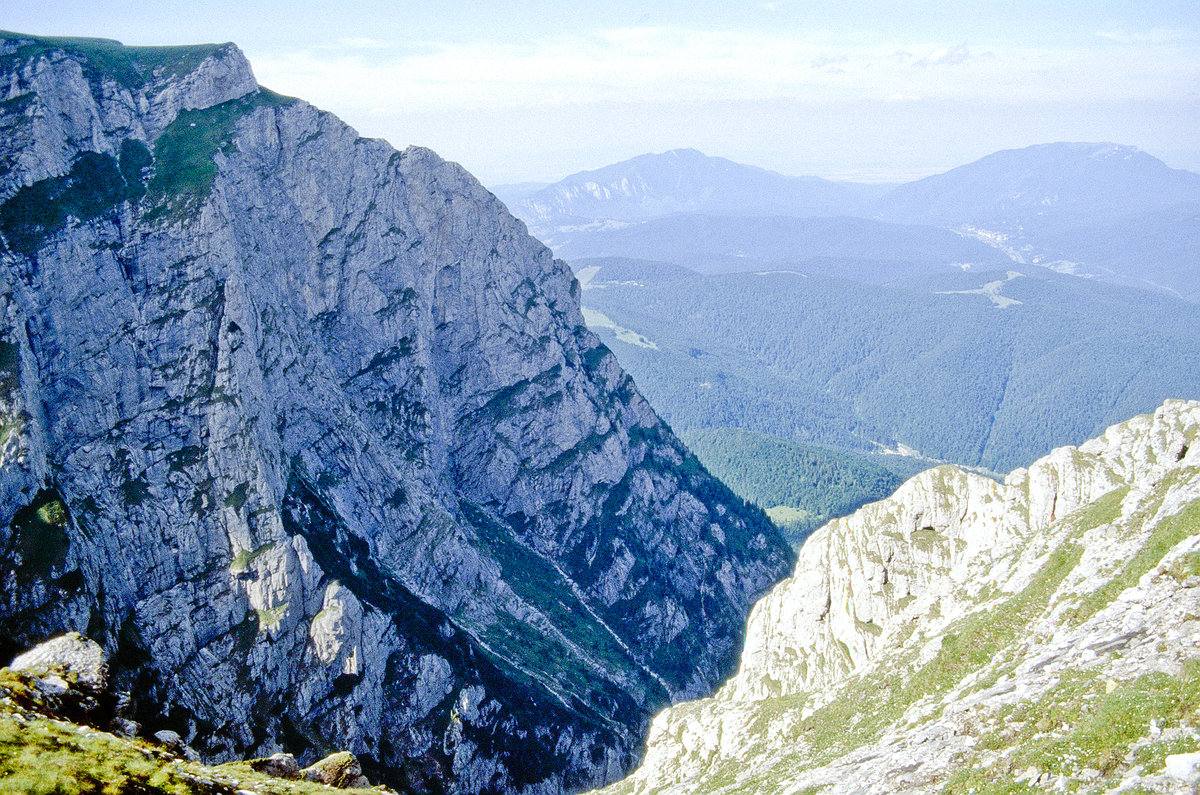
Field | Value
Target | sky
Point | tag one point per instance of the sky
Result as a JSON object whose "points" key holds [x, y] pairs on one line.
{"points": [[874, 91]]}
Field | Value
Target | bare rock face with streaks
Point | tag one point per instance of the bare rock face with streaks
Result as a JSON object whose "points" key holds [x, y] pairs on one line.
{"points": [[309, 434], [969, 635]]}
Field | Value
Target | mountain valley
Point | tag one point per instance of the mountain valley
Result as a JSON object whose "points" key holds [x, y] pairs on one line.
{"points": [[1041, 294], [983, 369]]}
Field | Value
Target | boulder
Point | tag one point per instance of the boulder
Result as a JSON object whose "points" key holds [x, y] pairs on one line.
{"points": [[341, 769], [173, 741], [277, 765], [124, 727], [1184, 766], [71, 660]]}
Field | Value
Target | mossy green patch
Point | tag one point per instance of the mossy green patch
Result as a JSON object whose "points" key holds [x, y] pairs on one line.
{"points": [[41, 755], [185, 169], [44, 756], [93, 186], [1153, 757], [39, 532], [1100, 512], [1184, 566], [237, 498], [1085, 722], [271, 617], [1099, 726], [981, 637], [134, 164], [975, 780], [243, 559], [53, 512], [926, 539]]}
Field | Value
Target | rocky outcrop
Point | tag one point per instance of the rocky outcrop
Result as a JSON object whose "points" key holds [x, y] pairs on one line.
{"points": [[73, 656], [309, 434], [66, 677], [964, 633], [56, 715]]}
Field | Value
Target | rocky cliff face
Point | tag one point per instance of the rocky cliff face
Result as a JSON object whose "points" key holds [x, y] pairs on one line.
{"points": [[310, 435], [963, 633]]}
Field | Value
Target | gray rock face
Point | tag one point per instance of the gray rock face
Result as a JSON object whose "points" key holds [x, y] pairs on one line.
{"points": [[279, 766], [310, 435]]}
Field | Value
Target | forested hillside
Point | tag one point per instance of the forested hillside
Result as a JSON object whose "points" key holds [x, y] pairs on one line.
{"points": [[982, 369], [861, 248], [801, 486]]}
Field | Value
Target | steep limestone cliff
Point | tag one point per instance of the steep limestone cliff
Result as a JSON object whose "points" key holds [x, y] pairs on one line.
{"points": [[966, 634], [310, 435]]}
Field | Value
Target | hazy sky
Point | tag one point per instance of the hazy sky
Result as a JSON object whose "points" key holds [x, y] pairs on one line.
{"points": [[526, 90]]}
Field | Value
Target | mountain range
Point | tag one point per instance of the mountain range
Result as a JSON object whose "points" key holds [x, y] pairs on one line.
{"points": [[1041, 294], [1067, 206], [310, 452], [683, 181]]}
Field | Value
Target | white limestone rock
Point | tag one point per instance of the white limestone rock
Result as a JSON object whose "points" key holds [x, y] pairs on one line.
{"points": [[1072, 583], [80, 659]]}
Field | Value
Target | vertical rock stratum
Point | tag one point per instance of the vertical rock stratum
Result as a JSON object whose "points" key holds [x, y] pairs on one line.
{"points": [[967, 635], [310, 435]]}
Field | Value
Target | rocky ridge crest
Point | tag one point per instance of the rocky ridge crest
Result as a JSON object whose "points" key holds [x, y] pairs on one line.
{"points": [[1036, 633], [309, 434]]}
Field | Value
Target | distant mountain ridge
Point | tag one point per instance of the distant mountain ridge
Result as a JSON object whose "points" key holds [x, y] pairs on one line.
{"points": [[1073, 181], [1100, 210], [688, 181]]}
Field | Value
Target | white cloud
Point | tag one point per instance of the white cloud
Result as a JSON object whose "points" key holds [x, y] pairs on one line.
{"points": [[946, 56], [662, 64], [1154, 36], [364, 43]]}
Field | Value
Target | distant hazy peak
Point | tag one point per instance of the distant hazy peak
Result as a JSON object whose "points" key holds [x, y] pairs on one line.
{"points": [[1067, 151], [682, 181], [1062, 179], [672, 159]]}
